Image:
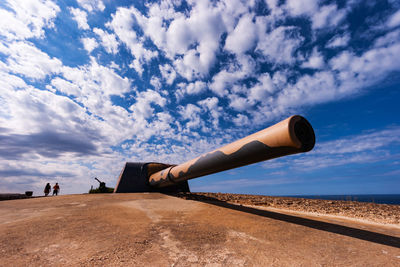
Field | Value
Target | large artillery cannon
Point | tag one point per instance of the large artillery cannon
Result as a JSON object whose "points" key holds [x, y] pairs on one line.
{"points": [[290, 136]]}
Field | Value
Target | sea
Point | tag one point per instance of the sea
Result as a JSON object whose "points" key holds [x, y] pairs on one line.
{"points": [[393, 199]]}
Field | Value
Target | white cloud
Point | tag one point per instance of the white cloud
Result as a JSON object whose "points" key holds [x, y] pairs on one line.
{"points": [[153, 26], [109, 41], [221, 81], [137, 65], [90, 85], [65, 87], [326, 161], [193, 88], [48, 112], [280, 45], [191, 114], [361, 149], [348, 75], [96, 85], [305, 7], [156, 83], [206, 24], [240, 103], [92, 5], [89, 44], [341, 61], [389, 39], [168, 73], [262, 89], [272, 4], [243, 38], [25, 59], [80, 17], [196, 88], [95, 79], [173, 33], [394, 20], [241, 120], [279, 79], [224, 81], [211, 104], [314, 61], [321, 16], [115, 66], [190, 39], [362, 71], [179, 36], [309, 89], [122, 24], [24, 21], [142, 108], [361, 143], [338, 41], [11, 82], [327, 16]]}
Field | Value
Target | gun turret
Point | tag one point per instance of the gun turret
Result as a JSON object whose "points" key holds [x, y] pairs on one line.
{"points": [[290, 136]]}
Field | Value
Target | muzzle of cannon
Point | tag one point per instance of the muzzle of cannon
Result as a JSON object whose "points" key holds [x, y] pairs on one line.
{"points": [[290, 136]]}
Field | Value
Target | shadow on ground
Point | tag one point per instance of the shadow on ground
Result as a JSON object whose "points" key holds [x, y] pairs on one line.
{"points": [[323, 226]]}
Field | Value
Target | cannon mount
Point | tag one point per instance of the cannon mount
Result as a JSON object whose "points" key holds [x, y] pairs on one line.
{"points": [[134, 179]]}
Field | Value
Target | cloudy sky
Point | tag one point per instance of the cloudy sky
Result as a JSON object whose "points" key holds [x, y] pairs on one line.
{"points": [[87, 85]]}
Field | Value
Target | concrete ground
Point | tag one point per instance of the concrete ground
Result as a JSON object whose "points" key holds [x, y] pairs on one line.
{"points": [[159, 230]]}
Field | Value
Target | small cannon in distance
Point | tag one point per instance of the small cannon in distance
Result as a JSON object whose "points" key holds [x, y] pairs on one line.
{"points": [[102, 185], [290, 136], [102, 188]]}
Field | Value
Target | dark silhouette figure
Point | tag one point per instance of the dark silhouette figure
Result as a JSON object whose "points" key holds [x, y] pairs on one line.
{"points": [[47, 189], [56, 188]]}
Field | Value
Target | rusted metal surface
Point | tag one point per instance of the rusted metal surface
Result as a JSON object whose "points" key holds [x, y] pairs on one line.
{"points": [[290, 136]]}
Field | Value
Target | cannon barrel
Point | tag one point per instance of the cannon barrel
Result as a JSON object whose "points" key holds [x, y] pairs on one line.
{"points": [[290, 136]]}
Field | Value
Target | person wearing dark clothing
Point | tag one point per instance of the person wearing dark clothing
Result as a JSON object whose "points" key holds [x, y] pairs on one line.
{"points": [[56, 188], [47, 189]]}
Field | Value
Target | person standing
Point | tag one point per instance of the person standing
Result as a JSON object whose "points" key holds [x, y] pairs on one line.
{"points": [[56, 188], [47, 189]]}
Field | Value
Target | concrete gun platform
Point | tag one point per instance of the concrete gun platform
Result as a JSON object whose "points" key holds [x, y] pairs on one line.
{"points": [[152, 229]]}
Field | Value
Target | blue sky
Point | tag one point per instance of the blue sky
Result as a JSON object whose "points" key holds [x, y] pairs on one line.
{"points": [[87, 85]]}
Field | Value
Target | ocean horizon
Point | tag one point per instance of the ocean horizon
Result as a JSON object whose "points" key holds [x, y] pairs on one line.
{"points": [[392, 199]]}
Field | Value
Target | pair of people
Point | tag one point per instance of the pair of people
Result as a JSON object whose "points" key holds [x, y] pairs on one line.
{"points": [[47, 189]]}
